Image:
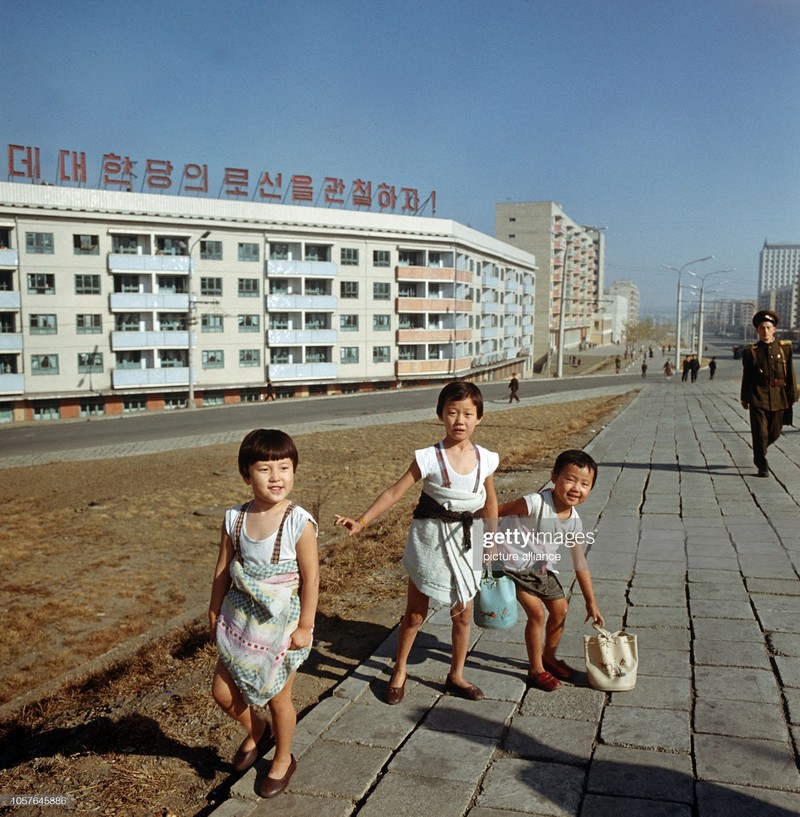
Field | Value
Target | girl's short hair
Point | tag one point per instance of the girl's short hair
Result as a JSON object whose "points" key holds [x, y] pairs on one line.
{"points": [[265, 444], [575, 456], [459, 390]]}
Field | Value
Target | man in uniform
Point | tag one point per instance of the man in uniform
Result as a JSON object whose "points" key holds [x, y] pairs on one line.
{"points": [[769, 386]]}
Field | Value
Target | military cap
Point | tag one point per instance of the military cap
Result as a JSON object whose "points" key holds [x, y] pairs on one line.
{"points": [[765, 315]]}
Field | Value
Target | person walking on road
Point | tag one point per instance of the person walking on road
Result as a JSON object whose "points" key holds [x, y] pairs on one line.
{"points": [[712, 368], [769, 386], [513, 388]]}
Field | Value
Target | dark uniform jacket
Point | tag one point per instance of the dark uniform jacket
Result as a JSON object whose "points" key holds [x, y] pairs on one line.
{"points": [[768, 379]]}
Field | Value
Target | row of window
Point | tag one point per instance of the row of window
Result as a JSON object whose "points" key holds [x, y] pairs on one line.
{"points": [[92, 362], [43, 243]]}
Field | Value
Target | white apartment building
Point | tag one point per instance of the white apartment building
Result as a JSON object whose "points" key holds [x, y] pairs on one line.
{"points": [[629, 291], [571, 262], [778, 266], [110, 301]]}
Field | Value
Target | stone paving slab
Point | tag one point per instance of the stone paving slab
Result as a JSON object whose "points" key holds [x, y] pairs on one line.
{"points": [[742, 719], [595, 805], [661, 729], [555, 740], [715, 800], [743, 760], [399, 795], [444, 756]]}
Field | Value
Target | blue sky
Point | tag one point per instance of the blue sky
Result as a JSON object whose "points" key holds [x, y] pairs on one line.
{"points": [[674, 123]]}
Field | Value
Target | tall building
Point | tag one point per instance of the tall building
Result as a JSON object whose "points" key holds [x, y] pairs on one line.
{"points": [[115, 301], [778, 266], [570, 260], [629, 291]]}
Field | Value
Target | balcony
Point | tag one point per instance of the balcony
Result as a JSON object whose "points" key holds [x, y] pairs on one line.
{"points": [[9, 258], [119, 262], [149, 340], [9, 300], [128, 378], [149, 301], [298, 337], [287, 303], [432, 274], [488, 332], [12, 383], [298, 269], [311, 372], [432, 305], [432, 367], [10, 341], [432, 335]]}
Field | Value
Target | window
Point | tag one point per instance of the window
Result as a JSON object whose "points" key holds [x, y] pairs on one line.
{"points": [[169, 245], [380, 354], [46, 411], [211, 286], [86, 245], [213, 359], [381, 258], [405, 290], [90, 362], [129, 360], [349, 257], [132, 404], [43, 324], [248, 287], [278, 286], [5, 238], [317, 286], [279, 354], [44, 364], [41, 283], [171, 323], [381, 290], [249, 357], [348, 323], [125, 244], [93, 407], [318, 252], [211, 323], [318, 320], [248, 252], [410, 258], [381, 323], [6, 281], [89, 324], [127, 284], [126, 322], [318, 354], [87, 284], [173, 358], [349, 354], [39, 243], [279, 252], [249, 323], [175, 284], [348, 289], [211, 250], [279, 320]]}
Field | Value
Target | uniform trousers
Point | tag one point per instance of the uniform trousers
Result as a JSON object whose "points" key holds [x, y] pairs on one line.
{"points": [[765, 427]]}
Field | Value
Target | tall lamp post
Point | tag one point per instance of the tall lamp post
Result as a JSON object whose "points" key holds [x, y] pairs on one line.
{"points": [[678, 313], [702, 305], [191, 318]]}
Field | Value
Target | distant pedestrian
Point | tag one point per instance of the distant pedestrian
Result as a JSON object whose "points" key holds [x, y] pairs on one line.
{"points": [[513, 387], [617, 363], [668, 370], [644, 367], [270, 391], [712, 368], [694, 368], [687, 365]]}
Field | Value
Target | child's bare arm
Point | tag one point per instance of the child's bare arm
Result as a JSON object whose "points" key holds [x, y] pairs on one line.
{"points": [[518, 507], [489, 510], [222, 580], [382, 504], [308, 562], [592, 610]]}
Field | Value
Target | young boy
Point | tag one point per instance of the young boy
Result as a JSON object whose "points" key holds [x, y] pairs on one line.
{"points": [[554, 509]]}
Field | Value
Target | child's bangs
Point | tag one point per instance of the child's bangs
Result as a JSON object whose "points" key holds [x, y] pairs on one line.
{"points": [[266, 444]]}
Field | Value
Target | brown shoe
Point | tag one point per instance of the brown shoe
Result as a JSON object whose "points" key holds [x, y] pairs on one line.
{"points": [[470, 692], [394, 695], [271, 786], [243, 760]]}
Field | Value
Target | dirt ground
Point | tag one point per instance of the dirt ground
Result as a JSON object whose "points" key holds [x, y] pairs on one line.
{"points": [[97, 554]]}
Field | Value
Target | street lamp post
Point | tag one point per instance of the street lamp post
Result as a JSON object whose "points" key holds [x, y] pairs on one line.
{"points": [[702, 305], [191, 318], [678, 313]]}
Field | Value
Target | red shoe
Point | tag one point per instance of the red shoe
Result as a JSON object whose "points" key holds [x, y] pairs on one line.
{"points": [[543, 680], [559, 669]]}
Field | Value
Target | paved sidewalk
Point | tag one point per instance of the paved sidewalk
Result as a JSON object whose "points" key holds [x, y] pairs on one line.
{"points": [[697, 556]]}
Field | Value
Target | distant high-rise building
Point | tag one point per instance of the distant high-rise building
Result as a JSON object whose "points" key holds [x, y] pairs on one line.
{"points": [[628, 290], [570, 260], [778, 266]]}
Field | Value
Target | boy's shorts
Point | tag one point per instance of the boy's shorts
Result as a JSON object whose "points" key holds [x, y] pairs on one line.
{"points": [[545, 586]]}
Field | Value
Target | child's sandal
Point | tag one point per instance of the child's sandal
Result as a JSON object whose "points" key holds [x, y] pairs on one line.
{"points": [[543, 680]]}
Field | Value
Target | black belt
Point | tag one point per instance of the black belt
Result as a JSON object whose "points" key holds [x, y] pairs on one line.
{"points": [[429, 508]]}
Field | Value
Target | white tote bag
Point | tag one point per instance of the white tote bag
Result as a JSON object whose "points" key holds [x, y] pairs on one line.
{"points": [[612, 659]]}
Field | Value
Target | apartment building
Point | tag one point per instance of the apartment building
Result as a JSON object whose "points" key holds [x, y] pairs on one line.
{"points": [[629, 291], [571, 261], [114, 301], [778, 266]]}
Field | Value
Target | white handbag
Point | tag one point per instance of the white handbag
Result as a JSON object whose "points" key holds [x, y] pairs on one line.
{"points": [[611, 659]]}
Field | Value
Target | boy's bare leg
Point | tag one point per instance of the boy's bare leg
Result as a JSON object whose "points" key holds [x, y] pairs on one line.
{"points": [[413, 618], [556, 618], [534, 629]]}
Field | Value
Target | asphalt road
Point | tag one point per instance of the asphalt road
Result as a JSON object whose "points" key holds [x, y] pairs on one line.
{"points": [[69, 435]]}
